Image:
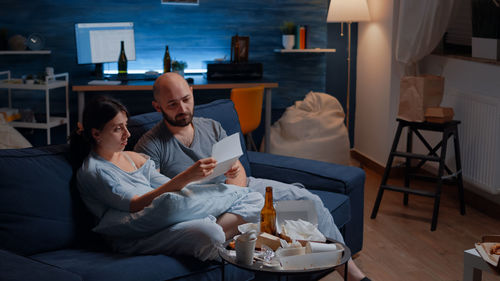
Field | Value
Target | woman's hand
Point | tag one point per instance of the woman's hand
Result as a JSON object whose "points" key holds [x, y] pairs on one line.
{"points": [[233, 172], [201, 168], [236, 175]]}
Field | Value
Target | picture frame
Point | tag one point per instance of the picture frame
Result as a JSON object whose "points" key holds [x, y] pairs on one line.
{"points": [[180, 2], [244, 44]]}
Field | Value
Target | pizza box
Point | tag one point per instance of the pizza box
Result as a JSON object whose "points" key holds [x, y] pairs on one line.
{"points": [[484, 248]]}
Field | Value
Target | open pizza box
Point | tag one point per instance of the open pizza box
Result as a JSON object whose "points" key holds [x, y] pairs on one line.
{"points": [[294, 210], [484, 248], [304, 210]]}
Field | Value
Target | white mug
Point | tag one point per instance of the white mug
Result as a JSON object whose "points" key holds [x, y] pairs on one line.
{"points": [[245, 247]]}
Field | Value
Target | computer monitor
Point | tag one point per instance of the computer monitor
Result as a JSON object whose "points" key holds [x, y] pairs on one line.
{"points": [[100, 42]]}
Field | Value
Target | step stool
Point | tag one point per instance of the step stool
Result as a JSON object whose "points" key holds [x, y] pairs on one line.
{"points": [[449, 129]]}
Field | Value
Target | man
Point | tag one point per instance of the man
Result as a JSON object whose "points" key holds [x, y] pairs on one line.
{"points": [[181, 139]]}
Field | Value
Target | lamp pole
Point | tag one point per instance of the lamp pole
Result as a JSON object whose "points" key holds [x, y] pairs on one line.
{"points": [[348, 11], [348, 74]]}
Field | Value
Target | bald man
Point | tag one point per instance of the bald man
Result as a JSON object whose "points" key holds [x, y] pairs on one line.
{"points": [[181, 139]]}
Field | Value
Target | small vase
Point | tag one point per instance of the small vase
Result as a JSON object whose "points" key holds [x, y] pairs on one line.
{"points": [[288, 41]]}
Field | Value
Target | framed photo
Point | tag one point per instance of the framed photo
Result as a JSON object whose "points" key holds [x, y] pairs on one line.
{"points": [[180, 2], [242, 52]]}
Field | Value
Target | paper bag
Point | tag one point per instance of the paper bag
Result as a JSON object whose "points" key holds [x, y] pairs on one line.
{"points": [[417, 93]]}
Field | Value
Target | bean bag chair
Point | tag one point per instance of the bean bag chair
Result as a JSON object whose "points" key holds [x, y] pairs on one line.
{"points": [[312, 129]]}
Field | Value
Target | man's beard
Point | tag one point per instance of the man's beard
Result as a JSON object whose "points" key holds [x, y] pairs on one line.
{"points": [[178, 122]]}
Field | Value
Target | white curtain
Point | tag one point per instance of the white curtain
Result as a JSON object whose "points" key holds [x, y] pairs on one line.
{"points": [[422, 24]]}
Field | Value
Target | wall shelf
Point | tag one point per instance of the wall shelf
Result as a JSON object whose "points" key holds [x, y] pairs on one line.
{"points": [[316, 50], [40, 52]]}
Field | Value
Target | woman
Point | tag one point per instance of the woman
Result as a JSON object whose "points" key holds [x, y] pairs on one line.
{"points": [[140, 210]]}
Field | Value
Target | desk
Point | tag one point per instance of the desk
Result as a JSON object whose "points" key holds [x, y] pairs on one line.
{"points": [[474, 265], [199, 84]]}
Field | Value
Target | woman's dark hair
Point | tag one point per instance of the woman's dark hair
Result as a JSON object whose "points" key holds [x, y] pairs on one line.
{"points": [[96, 114]]}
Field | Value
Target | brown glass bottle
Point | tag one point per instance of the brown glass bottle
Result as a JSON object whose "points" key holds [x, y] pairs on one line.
{"points": [[122, 62], [167, 62], [268, 214]]}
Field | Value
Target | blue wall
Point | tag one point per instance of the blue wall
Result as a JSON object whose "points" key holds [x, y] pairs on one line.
{"points": [[193, 34], [336, 69]]}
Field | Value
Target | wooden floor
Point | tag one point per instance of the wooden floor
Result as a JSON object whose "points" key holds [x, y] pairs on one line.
{"points": [[398, 243]]}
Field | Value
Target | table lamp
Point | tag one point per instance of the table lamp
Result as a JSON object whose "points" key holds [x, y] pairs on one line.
{"points": [[348, 11]]}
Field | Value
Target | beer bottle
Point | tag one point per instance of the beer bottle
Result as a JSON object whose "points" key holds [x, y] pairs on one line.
{"points": [[268, 214], [167, 62], [122, 62]]}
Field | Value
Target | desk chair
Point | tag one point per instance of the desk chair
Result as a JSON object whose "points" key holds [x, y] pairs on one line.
{"points": [[248, 105]]}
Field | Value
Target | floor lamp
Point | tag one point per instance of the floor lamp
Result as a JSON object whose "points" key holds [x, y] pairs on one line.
{"points": [[348, 11]]}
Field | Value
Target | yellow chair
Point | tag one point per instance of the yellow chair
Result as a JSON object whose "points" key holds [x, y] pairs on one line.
{"points": [[248, 105]]}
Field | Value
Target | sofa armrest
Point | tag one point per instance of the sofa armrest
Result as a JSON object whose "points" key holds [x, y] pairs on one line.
{"points": [[15, 267], [313, 174]]}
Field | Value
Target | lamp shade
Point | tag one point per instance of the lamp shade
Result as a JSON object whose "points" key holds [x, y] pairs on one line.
{"points": [[348, 11]]}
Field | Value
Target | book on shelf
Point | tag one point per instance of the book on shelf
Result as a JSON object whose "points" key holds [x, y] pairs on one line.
{"points": [[301, 37]]}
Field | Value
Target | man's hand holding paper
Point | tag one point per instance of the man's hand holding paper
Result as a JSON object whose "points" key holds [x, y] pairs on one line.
{"points": [[226, 152]]}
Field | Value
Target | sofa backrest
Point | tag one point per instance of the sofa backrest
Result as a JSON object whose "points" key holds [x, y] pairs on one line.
{"points": [[40, 209], [220, 110]]}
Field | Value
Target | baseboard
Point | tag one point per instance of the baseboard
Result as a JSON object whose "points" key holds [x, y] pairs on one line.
{"points": [[472, 199], [369, 163]]}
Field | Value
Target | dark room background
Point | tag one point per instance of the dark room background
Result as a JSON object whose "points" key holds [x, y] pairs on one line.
{"points": [[193, 33]]}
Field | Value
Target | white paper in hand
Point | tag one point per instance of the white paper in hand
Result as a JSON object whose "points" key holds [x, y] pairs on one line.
{"points": [[226, 152]]}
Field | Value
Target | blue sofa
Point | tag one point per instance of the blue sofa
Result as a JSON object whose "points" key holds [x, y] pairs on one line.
{"points": [[45, 230]]}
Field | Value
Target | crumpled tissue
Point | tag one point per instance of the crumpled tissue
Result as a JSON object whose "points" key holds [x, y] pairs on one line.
{"points": [[302, 230]]}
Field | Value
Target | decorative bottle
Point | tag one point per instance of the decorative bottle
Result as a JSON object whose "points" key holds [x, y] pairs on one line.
{"points": [[268, 214], [167, 62], [122, 62]]}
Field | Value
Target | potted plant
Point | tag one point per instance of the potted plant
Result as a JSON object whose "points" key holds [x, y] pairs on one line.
{"points": [[288, 31], [179, 66], [486, 29]]}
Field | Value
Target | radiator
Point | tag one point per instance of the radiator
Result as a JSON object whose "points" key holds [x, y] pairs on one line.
{"points": [[479, 136]]}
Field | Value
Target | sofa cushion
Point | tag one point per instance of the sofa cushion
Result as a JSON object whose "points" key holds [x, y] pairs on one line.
{"points": [[338, 205], [220, 110], [36, 211], [14, 267], [108, 266]]}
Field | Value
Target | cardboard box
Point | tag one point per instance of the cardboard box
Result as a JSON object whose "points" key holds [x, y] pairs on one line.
{"points": [[439, 114], [312, 261], [269, 240], [484, 247], [294, 210]]}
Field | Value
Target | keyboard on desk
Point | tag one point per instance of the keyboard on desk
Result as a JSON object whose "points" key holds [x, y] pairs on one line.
{"points": [[133, 77], [104, 82]]}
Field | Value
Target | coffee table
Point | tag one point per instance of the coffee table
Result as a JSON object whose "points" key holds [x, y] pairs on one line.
{"points": [[259, 269]]}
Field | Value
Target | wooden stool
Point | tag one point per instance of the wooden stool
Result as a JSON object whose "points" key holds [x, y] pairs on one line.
{"points": [[448, 129]]}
